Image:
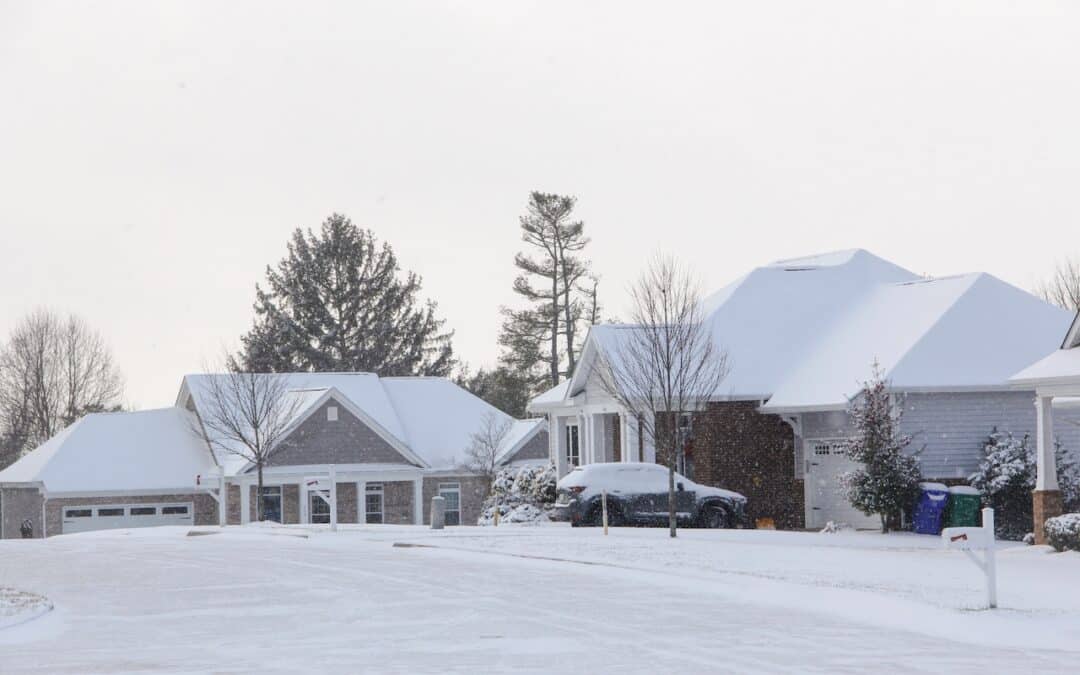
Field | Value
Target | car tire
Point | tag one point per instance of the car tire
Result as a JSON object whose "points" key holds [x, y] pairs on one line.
{"points": [[714, 518]]}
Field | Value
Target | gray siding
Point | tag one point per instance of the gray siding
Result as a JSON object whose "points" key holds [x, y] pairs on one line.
{"points": [[951, 428], [535, 448], [345, 441]]}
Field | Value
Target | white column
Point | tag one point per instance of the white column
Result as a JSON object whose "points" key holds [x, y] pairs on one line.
{"points": [[245, 503], [305, 502], [558, 444], [1046, 476], [361, 502], [624, 438], [333, 498], [418, 501]]}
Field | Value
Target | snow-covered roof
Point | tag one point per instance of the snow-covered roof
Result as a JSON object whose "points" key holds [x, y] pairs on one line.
{"points": [[1059, 367], [145, 450], [519, 433], [803, 333], [553, 396]]}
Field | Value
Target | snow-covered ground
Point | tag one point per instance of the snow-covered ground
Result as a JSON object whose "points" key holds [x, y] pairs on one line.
{"points": [[20, 606], [532, 598]]}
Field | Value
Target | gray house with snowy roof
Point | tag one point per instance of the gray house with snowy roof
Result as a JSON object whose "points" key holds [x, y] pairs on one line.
{"points": [[801, 336], [391, 443]]}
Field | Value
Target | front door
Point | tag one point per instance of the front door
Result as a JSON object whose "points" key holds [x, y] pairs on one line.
{"points": [[319, 510]]}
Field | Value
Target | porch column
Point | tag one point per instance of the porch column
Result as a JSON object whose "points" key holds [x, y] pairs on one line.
{"points": [[624, 438], [245, 502], [558, 444], [418, 501], [361, 502], [1046, 499]]}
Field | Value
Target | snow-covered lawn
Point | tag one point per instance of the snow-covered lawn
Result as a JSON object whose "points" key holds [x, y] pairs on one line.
{"points": [[532, 598], [20, 606]]}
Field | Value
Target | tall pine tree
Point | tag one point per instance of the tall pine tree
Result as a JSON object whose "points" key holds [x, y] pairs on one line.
{"points": [[540, 341], [338, 301], [887, 480]]}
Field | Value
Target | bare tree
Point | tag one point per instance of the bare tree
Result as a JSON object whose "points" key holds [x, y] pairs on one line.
{"points": [[664, 364], [1063, 286], [246, 414], [481, 457], [53, 370]]}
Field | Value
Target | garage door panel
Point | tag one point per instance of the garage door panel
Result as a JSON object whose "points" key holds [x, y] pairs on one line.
{"points": [[827, 461], [85, 518]]}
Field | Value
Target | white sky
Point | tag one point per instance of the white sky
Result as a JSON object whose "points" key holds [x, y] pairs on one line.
{"points": [[154, 157]]}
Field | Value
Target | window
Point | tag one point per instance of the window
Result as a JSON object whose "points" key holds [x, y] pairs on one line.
{"points": [[78, 513], [111, 512], [573, 452], [451, 492], [143, 510], [174, 510], [319, 510], [331, 413], [271, 503], [373, 501]]}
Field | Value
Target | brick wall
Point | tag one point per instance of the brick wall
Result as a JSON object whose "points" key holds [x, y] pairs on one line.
{"points": [[290, 503], [473, 491], [737, 448], [16, 505], [347, 507], [398, 502]]}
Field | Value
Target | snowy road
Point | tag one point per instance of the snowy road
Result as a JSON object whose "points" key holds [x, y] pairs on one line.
{"points": [[265, 600]]}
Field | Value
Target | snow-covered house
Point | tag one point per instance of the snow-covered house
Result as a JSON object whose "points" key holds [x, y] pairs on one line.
{"points": [[393, 443], [801, 336]]}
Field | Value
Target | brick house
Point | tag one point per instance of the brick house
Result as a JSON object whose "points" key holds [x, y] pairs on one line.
{"points": [[801, 336], [392, 443]]}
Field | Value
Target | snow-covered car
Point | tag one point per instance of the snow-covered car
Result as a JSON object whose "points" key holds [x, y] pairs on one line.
{"points": [[637, 494]]}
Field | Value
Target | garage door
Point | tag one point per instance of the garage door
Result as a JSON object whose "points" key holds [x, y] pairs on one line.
{"points": [[827, 462], [112, 516]]}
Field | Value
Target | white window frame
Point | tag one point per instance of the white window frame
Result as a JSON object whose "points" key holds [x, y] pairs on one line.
{"points": [[451, 488], [573, 445], [374, 490], [314, 499]]}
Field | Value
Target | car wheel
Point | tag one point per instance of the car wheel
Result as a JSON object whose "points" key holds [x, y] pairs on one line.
{"points": [[714, 518]]}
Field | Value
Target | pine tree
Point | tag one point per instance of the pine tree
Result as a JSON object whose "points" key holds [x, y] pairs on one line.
{"points": [[501, 386], [887, 482], [549, 281], [339, 302]]}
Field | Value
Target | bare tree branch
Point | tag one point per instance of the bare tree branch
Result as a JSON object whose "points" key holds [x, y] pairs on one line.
{"points": [[1063, 286], [246, 414], [665, 363], [481, 457]]}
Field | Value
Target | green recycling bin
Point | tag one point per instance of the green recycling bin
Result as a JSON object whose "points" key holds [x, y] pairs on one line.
{"points": [[963, 508]]}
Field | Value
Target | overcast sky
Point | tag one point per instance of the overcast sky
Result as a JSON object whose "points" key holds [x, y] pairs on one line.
{"points": [[154, 157]]}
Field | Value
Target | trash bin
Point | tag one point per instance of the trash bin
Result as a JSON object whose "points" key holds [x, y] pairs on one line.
{"points": [[930, 509], [963, 510]]}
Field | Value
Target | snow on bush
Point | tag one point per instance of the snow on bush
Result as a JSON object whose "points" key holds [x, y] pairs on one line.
{"points": [[521, 495], [1006, 477], [1063, 532]]}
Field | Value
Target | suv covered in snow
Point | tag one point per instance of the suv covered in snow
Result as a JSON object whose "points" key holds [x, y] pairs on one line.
{"points": [[637, 494]]}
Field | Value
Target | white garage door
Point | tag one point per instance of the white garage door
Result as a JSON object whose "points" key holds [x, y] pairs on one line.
{"points": [[826, 462], [112, 516]]}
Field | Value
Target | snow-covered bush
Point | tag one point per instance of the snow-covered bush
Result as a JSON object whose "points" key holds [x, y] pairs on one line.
{"points": [[521, 495], [1006, 477], [887, 482], [1063, 532], [832, 527]]}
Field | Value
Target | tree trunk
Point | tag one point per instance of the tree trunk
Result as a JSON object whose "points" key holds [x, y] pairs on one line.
{"points": [[555, 328], [884, 524], [672, 521], [258, 494]]}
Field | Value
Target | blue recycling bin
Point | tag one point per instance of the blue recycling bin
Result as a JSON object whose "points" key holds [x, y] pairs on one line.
{"points": [[930, 509]]}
